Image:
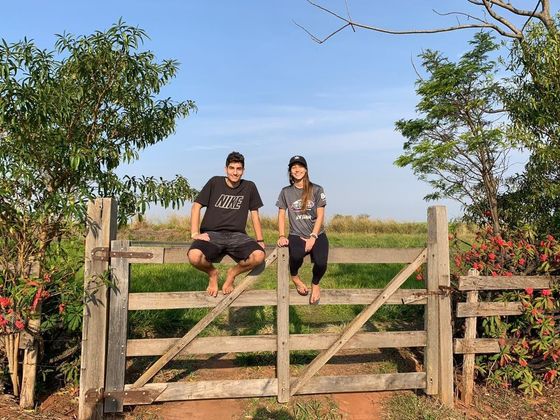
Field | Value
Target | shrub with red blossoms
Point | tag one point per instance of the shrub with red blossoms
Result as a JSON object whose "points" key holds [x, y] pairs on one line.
{"points": [[530, 343]]}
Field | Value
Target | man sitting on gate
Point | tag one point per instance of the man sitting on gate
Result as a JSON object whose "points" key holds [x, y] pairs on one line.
{"points": [[222, 231]]}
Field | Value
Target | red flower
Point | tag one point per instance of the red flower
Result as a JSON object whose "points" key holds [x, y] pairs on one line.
{"points": [[47, 277], [550, 237], [492, 256], [546, 292], [543, 257], [3, 321], [494, 274], [4, 302], [521, 261], [550, 375], [523, 362], [419, 277], [19, 324], [61, 308], [529, 291]]}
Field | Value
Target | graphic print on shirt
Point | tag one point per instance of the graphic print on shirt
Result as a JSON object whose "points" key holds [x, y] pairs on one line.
{"points": [[297, 205], [230, 202]]}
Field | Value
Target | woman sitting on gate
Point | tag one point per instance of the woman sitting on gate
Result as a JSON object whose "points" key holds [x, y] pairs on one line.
{"points": [[305, 203]]}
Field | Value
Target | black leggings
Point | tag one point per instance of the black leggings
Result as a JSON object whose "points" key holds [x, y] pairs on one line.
{"points": [[319, 255]]}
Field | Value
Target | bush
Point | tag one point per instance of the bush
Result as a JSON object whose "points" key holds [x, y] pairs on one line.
{"points": [[530, 343]]}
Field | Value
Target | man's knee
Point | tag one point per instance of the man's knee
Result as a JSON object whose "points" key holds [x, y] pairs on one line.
{"points": [[196, 257], [256, 258]]}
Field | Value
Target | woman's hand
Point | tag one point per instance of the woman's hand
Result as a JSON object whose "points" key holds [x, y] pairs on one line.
{"points": [[282, 241], [309, 242]]}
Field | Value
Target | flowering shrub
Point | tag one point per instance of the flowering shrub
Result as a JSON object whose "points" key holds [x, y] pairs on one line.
{"points": [[530, 343]]}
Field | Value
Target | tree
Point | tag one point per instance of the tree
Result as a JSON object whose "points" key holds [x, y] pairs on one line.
{"points": [[458, 144], [68, 119]]}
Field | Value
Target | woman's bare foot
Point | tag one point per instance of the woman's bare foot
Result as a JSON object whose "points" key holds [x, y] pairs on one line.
{"points": [[300, 286], [315, 294], [227, 287], [212, 288]]}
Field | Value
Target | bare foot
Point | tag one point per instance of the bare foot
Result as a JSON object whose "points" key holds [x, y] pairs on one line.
{"points": [[300, 286], [212, 288], [227, 287], [315, 294]]}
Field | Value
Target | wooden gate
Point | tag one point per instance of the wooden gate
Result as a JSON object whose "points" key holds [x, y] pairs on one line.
{"points": [[103, 387]]}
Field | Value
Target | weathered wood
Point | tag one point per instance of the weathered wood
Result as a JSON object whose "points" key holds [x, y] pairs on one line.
{"points": [[477, 345], [357, 323], [102, 229], [183, 300], [431, 322], [31, 352], [488, 309], [248, 281], [283, 327], [178, 255], [118, 315], [437, 216], [506, 283], [261, 343], [268, 387], [469, 358]]}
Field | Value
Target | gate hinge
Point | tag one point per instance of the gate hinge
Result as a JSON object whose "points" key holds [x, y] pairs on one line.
{"points": [[104, 254], [129, 396]]}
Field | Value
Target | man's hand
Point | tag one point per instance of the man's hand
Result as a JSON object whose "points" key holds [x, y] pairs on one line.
{"points": [[201, 237]]}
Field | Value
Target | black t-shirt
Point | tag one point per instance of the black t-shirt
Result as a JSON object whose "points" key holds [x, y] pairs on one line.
{"points": [[227, 207]]}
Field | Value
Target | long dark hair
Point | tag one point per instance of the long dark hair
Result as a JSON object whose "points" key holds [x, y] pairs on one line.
{"points": [[307, 188]]}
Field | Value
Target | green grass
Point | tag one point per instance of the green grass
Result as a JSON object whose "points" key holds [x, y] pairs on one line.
{"points": [[408, 406], [261, 320]]}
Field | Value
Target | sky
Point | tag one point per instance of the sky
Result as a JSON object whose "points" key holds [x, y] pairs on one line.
{"points": [[265, 89]]}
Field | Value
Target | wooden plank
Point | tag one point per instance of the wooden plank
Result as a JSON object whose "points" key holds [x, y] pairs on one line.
{"points": [[477, 345], [446, 373], [283, 327], [184, 300], [469, 358], [102, 229], [488, 309], [506, 283], [178, 255], [364, 383], [358, 322], [118, 318], [248, 281], [247, 388], [262, 343]]}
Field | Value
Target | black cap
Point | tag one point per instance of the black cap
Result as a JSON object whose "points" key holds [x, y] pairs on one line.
{"points": [[297, 159]]}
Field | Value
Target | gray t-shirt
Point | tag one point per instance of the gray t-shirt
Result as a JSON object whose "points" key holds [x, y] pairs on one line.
{"points": [[301, 221]]}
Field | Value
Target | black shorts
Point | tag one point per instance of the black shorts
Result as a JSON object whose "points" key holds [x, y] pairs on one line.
{"points": [[237, 245]]}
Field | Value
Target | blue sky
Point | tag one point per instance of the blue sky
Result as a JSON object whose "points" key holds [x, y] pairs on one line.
{"points": [[264, 88]]}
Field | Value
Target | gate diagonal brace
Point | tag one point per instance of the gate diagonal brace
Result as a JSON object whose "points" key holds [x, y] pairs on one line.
{"points": [[101, 253], [129, 397]]}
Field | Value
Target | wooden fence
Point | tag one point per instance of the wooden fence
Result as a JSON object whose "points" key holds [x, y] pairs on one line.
{"points": [[102, 384], [469, 346]]}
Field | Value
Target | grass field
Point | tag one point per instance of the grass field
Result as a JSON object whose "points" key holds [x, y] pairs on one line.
{"points": [[343, 231]]}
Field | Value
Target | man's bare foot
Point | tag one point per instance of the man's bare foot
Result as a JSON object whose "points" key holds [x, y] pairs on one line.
{"points": [[300, 286], [315, 294], [227, 287], [212, 288]]}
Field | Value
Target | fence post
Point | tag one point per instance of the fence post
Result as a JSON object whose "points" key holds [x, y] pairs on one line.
{"points": [[29, 370], [118, 315], [101, 230], [283, 327], [439, 243], [431, 354], [469, 358]]}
